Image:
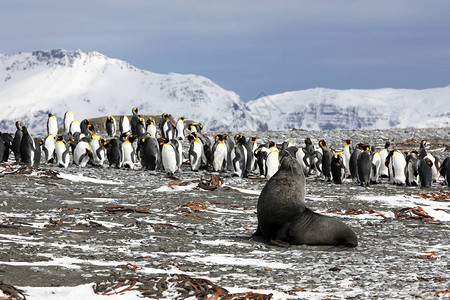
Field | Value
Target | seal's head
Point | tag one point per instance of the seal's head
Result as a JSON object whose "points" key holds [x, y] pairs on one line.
{"points": [[289, 165]]}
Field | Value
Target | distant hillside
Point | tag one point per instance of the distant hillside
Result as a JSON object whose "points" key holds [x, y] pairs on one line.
{"points": [[93, 85], [355, 109]]}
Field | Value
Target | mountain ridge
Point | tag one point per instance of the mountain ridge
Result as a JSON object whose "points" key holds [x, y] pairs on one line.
{"points": [[33, 84]]}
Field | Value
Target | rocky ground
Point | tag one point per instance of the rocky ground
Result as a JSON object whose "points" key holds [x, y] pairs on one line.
{"points": [[135, 233]]}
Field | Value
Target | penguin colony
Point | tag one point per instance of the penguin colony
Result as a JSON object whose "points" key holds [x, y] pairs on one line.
{"points": [[159, 147]]}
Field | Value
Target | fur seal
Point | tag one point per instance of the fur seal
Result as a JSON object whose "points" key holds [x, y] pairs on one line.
{"points": [[283, 217]]}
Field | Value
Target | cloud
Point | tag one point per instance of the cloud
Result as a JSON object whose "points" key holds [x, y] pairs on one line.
{"points": [[300, 42]]}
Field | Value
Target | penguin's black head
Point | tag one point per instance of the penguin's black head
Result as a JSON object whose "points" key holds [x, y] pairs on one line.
{"points": [[123, 136], [423, 143], [182, 118], [387, 145], [348, 142], [49, 115], [135, 110], [308, 141], [131, 138], [272, 144], [191, 138], [86, 121], [290, 164], [323, 143], [90, 127], [254, 138], [241, 139]]}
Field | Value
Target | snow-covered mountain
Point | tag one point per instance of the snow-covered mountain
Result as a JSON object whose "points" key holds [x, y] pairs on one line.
{"points": [[93, 85], [323, 109]]}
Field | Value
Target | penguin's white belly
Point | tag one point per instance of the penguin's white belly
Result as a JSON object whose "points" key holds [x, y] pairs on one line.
{"points": [[49, 145], [219, 156], [52, 127], [128, 159], [346, 159], [169, 159], [63, 160], [272, 163], [383, 168], [68, 119], [398, 166], [151, 129]]}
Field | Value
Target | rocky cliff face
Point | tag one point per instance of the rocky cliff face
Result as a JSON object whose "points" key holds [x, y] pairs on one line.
{"points": [[322, 109]]}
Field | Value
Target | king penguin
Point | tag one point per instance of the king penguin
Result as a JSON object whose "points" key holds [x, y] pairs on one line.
{"points": [[239, 156], [272, 161], [261, 154], [85, 127], [75, 127], [327, 154], [52, 125], [166, 126], [425, 173], [129, 153], [140, 128], [134, 121], [27, 148], [17, 140], [195, 151], [353, 163], [251, 146], [148, 152], [82, 154], [62, 152], [348, 150], [98, 147], [179, 128], [5, 145], [412, 169], [364, 165], [110, 126], [114, 152], [396, 165], [219, 153], [68, 119], [444, 170], [124, 124], [151, 127], [376, 164], [423, 153], [338, 168], [49, 149], [169, 156], [384, 173]]}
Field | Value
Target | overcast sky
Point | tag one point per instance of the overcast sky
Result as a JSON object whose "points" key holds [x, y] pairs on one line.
{"points": [[250, 47]]}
